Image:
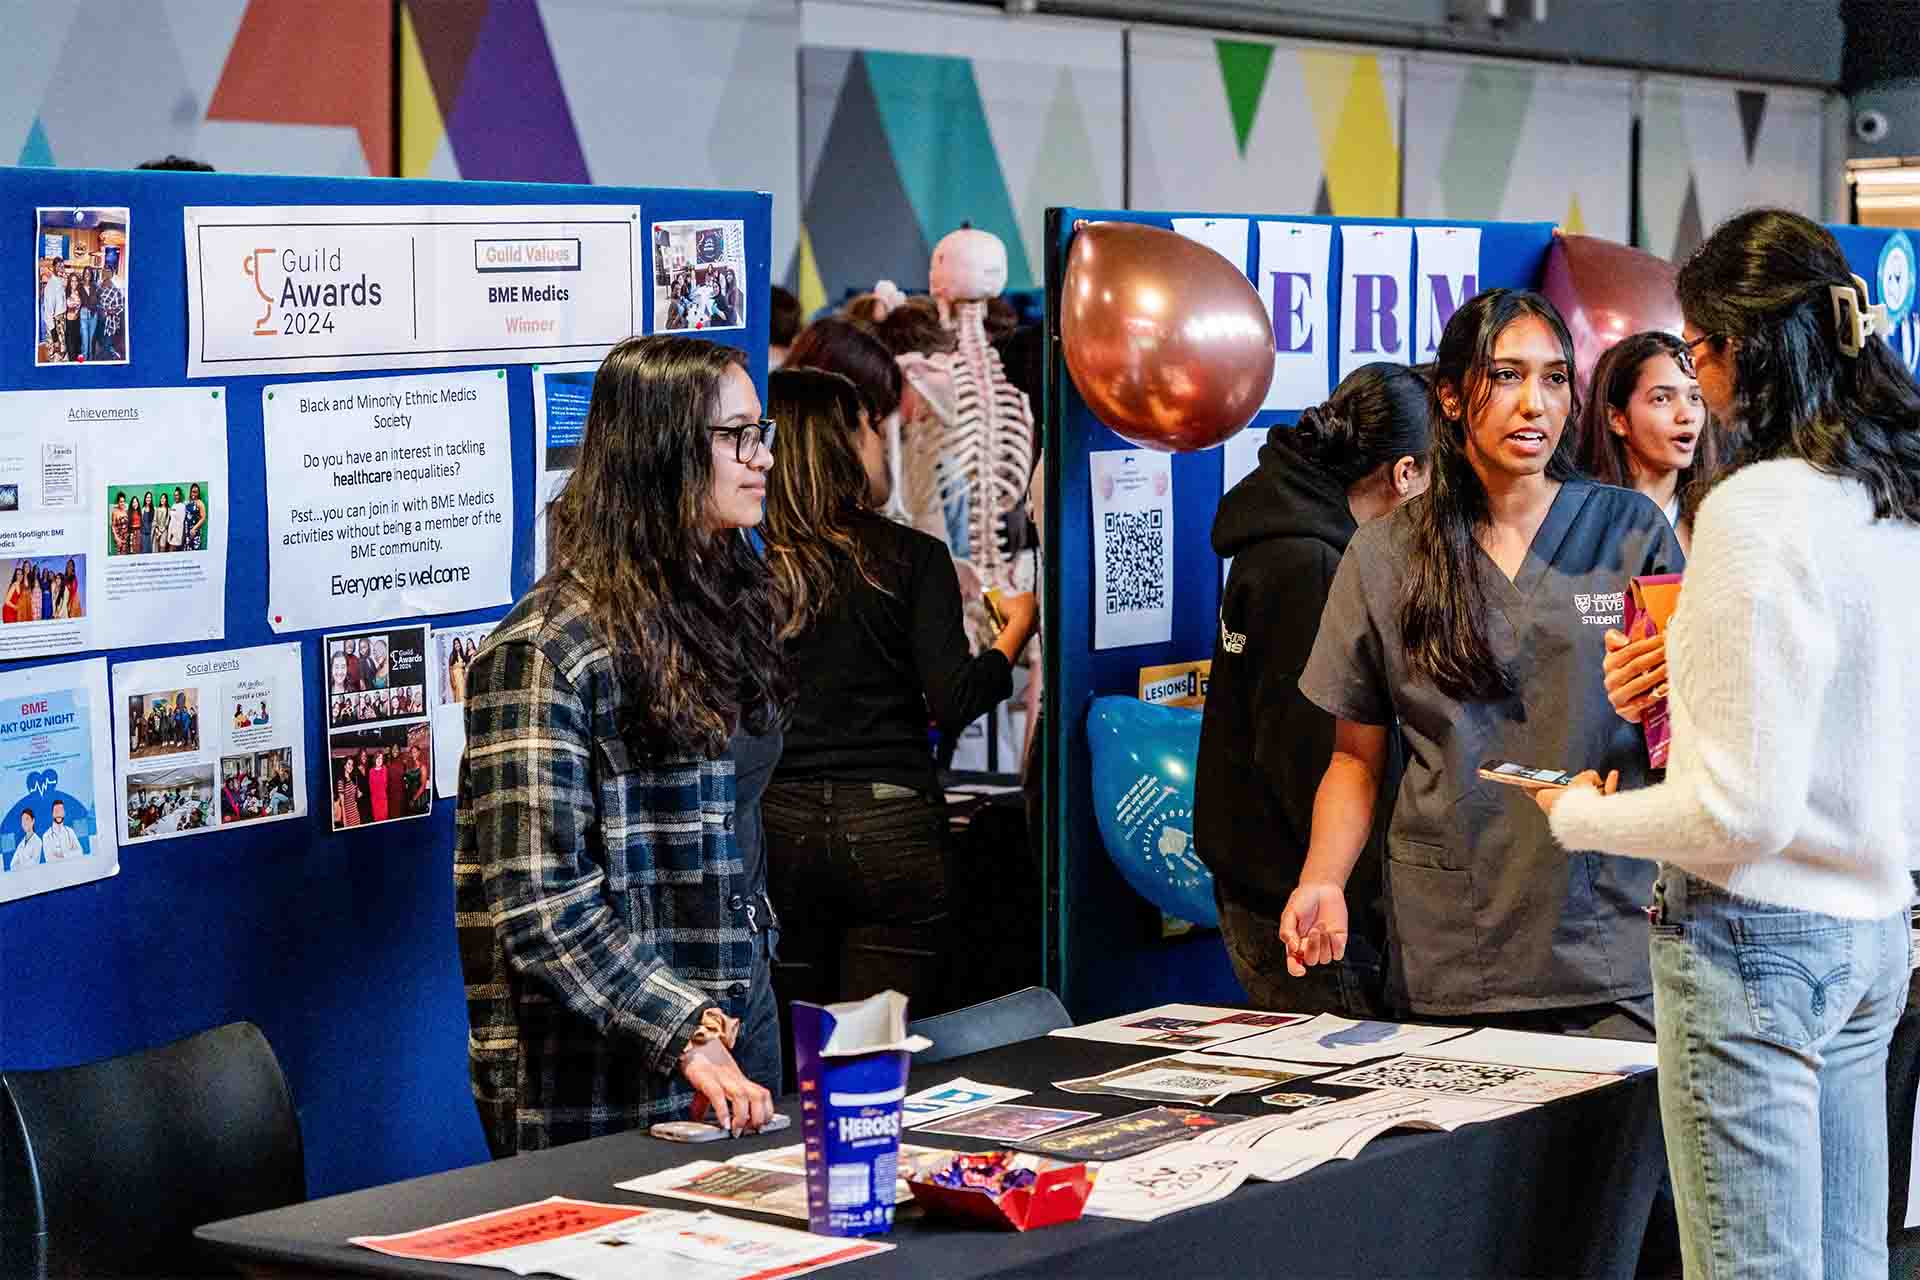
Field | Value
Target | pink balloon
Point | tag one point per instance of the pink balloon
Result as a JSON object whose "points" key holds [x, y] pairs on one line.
{"points": [[1606, 292]]}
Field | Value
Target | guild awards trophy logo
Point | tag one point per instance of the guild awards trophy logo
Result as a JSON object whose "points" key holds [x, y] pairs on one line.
{"points": [[251, 265]]}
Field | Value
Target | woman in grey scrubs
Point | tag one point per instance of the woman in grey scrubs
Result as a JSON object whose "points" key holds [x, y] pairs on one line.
{"points": [[1476, 618]]}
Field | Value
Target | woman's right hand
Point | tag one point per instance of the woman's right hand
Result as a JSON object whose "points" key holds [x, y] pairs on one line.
{"points": [[739, 1105], [1636, 674], [1022, 613], [1314, 926]]}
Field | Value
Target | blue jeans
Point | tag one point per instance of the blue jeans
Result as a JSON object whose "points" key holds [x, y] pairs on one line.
{"points": [[1773, 1032], [88, 320], [757, 1049]]}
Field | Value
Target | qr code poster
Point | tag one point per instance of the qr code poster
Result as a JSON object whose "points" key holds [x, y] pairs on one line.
{"points": [[1132, 547], [699, 276], [1490, 1080]]}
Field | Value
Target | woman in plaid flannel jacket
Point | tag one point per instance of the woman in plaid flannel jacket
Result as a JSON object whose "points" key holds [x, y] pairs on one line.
{"points": [[595, 864]]}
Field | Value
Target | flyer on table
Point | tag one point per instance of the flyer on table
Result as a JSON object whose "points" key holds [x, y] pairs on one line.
{"points": [[387, 498], [113, 518], [586, 1240], [453, 650], [322, 289], [1132, 547], [55, 754], [562, 394], [209, 740], [379, 734]]}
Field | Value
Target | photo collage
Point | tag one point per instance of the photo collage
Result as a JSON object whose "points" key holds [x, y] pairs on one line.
{"points": [[699, 276], [380, 762], [209, 741]]}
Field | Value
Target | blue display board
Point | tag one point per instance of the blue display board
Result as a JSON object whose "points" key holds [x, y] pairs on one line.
{"points": [[1875, 253], [1105, 954], [341, 947]]}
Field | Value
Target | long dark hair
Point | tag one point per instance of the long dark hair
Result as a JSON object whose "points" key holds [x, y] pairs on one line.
{"points": [[843, 347], [816, 494], [1761, 281], [688, 613], [1443, 607], [1603, 455], [1374, 418]]}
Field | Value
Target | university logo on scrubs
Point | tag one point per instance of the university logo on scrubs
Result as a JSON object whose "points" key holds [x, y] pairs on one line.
{"points": [[1602, 610]]}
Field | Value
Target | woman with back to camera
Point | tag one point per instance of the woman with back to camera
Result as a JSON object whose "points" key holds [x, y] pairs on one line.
{"points": [[1263, 745], [1788, 817], [623, 966], [856, 821], [1646, 427]]}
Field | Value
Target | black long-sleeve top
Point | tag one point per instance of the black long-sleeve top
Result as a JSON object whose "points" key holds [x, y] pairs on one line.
{"points": [[879, 661]]}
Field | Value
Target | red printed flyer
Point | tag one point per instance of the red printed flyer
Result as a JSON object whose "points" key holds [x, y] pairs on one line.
{"points": [[584, 1240]]}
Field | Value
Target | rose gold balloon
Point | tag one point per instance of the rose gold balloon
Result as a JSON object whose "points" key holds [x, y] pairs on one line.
{"points": [[1165, 339], [1606, 292]]}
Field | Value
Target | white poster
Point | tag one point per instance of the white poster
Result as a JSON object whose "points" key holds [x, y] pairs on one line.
{"points": [[1132, 547], [387, 498], [1225, 236], [326, 288], [204, 741], [56, 817], [562, 394], [379, 730], [1374, 295], [1293, 284], [1448, 269], [114, 514], [1239, 458], [700, 275], [453, 650]]}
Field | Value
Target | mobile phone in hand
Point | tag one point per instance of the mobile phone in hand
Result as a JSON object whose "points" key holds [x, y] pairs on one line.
{"points": [[1510, 774], [696, 1131]]}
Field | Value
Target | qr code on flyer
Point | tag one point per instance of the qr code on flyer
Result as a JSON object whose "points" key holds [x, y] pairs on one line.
{"points": [[1429, 1075], [1136, 560]]}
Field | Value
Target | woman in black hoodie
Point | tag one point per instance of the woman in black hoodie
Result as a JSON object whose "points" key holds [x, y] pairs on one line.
{"points": [[1264, 747]]}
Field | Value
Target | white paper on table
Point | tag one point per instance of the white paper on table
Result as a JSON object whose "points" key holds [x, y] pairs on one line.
{"points": [[55, 749], [65, 457], [1494, 1081], [1340, 1041], [1215, 1023], [1191, 1077], [1164, 1181], [586, 1240], [1293, 285], [1449, 273], [1225, 236], [1375, 293], [387, 498], [1550, 1052], [1132, 547], [952, 1098], [244, 760], [449, 701], [1276, 1148]]}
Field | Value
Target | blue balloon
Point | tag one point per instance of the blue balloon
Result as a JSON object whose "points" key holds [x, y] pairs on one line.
{"points": [[1143, 765]]}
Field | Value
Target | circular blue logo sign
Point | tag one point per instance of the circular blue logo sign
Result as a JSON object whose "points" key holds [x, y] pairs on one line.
{"points": [[1896, 274]]}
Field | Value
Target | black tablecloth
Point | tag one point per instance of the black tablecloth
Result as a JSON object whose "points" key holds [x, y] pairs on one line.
{"points": [[1561, 1190]]}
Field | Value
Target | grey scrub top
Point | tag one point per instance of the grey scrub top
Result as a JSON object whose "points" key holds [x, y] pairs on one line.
{"points": [[1487, 913]]}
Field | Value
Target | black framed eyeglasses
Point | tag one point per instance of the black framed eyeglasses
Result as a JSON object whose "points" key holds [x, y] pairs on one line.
{"points": [[1686, 353], [747, 439]]}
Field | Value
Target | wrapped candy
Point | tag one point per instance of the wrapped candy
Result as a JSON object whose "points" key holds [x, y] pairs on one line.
{"points": [[1004, 1189]]}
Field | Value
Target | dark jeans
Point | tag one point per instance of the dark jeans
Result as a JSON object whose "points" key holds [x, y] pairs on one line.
{"points": [[858, 873], [1353, 988], [757, 1049]]}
